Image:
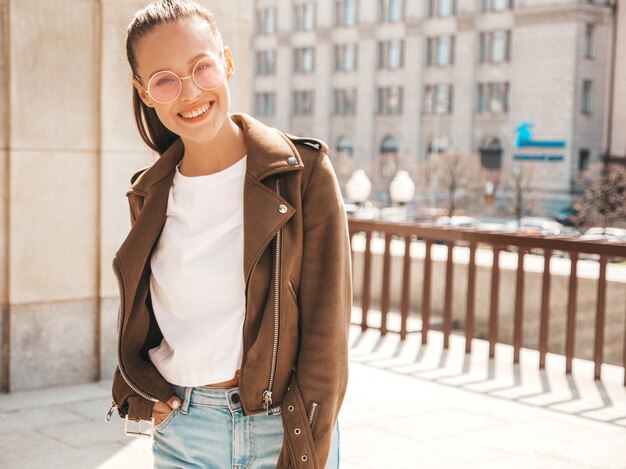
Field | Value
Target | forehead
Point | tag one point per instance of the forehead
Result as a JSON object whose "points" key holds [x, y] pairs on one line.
{"points": [[171, 46]]}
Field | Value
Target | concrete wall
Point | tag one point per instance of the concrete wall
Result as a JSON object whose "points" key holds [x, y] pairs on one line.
{"points": [[68, 146], [533, 266]]}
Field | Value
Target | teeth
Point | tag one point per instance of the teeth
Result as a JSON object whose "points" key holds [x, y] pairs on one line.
{"points": [[196, 113]]}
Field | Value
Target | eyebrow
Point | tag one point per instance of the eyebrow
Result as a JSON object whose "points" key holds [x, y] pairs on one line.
{"points": [[192, 60]]}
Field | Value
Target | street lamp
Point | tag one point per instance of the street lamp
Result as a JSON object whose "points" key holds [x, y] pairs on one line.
{"points": [[358, 190], [402, 190]]}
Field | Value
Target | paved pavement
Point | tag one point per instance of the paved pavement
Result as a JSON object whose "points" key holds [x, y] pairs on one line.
{"points": [[407, 406]]}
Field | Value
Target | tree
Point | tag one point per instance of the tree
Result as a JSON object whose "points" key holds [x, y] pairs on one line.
{"points": [[455, 178], [518, 184], [603, 201]]}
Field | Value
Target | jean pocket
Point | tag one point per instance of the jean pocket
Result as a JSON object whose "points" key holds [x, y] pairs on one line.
{"points": [[166, 421]]}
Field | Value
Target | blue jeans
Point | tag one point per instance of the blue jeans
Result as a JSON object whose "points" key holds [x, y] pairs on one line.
{"points": [[210, 431]]}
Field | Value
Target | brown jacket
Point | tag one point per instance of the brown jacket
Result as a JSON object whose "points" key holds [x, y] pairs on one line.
{"points": [[295, 334]]}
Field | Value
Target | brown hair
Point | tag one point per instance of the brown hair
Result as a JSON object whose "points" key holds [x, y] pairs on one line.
{"points": [[151, 129]]}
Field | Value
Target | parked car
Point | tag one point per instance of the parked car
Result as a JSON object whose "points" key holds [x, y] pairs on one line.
{"points": [[609, 234], [537, 225], [458, 221]]}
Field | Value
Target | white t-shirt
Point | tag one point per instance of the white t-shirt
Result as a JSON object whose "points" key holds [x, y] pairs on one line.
{"points": [[197, 282]]}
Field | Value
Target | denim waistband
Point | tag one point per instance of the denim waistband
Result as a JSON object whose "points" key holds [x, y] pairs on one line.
{"points": [[227, 397]]}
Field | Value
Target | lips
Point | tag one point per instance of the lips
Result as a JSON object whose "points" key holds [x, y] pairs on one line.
{"points": [[197, 111]]}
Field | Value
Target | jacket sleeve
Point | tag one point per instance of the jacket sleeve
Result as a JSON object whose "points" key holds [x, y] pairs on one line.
{"points": [[325, 299], [128, 401]]}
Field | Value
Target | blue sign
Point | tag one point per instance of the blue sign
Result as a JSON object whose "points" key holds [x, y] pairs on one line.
{"points": [[524, 139]]}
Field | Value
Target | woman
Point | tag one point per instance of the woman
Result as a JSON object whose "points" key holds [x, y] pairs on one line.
{"points": [[235, 278]]}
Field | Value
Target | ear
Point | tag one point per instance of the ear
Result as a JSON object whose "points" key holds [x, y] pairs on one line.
{"points": [[142, 93], [230, 63]]}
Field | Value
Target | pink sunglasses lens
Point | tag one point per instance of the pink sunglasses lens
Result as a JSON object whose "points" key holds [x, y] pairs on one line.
{"points": [[208, 73], [164, 86]]}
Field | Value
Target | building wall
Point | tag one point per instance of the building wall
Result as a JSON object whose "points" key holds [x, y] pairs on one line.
{"points": [[545, 75], [618, 136], [68, 146]]}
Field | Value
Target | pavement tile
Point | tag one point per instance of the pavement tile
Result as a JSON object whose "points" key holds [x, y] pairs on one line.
{"points": [[89, 434], [22, 446], [36, 419]]}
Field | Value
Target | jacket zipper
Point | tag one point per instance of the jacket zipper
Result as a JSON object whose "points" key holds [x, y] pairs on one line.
{"points": [[312, 412], [118, 347], [267, 394]]}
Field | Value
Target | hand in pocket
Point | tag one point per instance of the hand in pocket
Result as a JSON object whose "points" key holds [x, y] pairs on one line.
{"points": [[160, 410]]}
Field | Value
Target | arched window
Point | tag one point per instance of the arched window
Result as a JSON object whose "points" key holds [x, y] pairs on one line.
{"points": [[388, 159], [491, 153], [438, 144], [389, 145], [345, 146]]}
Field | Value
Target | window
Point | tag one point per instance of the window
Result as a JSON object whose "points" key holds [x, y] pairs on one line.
{"points": [[589, 34], [344, 102], [586, 98], [304, 16], [493, 98], [345, 145], [302, 104], [391, 54], [264, 104], [441, 8], [583, 159], [345, 12], [440, 50], [438, 99], [266, 21], [494, 47], [346, 57], [496, 5], [391, 11], [303, 61], [265, 62], [389, 100]]}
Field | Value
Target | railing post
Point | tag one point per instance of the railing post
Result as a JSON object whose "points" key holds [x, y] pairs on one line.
{"points": [[471, 287], [426, 291], [406, 287], [571, 312], [600, 313], [447, 301], [545, 309], [518, 329], [384, 302], [365, 290], [493, 302]]}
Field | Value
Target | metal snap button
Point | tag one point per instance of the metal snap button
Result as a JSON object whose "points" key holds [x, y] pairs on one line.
{"points": [[305, 458], [235, 398], [282, 208], [297, 431], [290, 408], [292, 160]]}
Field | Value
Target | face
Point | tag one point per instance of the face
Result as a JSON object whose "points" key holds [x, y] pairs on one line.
{"points": [[177, 47]]}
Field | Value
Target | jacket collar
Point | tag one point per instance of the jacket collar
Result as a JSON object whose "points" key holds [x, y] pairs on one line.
{"points": [[269, 152]]}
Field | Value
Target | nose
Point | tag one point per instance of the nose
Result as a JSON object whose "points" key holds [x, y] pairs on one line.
{"points": [[189, 90]]}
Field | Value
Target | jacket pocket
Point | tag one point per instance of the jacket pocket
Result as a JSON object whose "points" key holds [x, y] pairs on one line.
{"points": [[167, 420], [312, 413], [293, 291]]}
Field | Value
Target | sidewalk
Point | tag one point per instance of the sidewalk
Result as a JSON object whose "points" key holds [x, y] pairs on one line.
{"points": [[407, 406]]}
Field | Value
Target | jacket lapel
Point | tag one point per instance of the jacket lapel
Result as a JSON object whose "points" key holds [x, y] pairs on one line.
{"points": [[269, 152]]}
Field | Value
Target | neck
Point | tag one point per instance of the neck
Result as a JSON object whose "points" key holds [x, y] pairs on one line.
{"points": [[207, 157]]}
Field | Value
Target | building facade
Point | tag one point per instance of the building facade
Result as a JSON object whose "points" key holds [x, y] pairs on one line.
{"points": [[388, 82], [68, 147]]}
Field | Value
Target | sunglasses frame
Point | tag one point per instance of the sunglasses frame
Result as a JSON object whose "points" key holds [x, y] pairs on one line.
{"points": [[180, 79]]}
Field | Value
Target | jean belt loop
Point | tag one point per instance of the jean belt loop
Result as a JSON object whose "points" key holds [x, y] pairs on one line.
{"points": [[187, 398]]}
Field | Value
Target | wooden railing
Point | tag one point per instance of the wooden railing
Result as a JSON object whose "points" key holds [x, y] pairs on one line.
{"points": [[498, 242]]}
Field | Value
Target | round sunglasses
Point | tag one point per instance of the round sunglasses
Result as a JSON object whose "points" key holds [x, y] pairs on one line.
{"points": [[166, 86]]}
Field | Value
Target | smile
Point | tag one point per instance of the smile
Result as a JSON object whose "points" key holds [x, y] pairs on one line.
{"points": [[198, 113]]}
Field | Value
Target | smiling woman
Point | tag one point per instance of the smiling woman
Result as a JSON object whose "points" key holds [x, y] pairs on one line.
{"points": [[235, 278]]}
